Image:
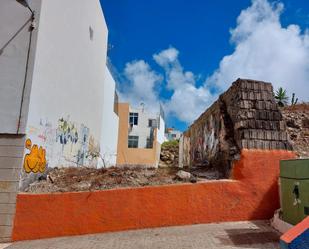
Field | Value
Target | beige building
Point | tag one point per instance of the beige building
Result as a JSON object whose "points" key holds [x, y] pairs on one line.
{"points": [[140, 137]]}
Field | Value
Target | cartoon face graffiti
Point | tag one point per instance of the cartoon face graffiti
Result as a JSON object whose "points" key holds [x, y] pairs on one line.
{"points": [[35, 161]]}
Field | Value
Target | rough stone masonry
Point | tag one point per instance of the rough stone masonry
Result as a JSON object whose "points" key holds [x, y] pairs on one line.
{"points": [[246, 116]]}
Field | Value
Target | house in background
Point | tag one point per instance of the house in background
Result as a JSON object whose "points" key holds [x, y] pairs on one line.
{"points": [[172, 134], [141, 134]]}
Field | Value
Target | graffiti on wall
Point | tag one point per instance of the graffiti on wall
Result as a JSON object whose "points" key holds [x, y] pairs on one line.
{"points": [[204, 140], [66, 132], [66, 143], [35, 160]]}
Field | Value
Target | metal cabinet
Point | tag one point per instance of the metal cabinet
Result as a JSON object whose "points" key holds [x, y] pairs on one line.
{"points": [[294, 189]]}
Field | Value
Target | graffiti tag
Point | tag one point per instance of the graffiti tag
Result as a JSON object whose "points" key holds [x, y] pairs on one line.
{"points": [[35, 161]]}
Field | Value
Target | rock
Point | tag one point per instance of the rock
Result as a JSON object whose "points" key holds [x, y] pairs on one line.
{"points": [[305, 122], [42, 178], [50, 179], [183, 175], [149, 174], [297, 119], [193, 179], [169, 156], [291, 123]]}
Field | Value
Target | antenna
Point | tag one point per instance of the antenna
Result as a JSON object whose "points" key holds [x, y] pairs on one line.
{"points": [[142, 104]]}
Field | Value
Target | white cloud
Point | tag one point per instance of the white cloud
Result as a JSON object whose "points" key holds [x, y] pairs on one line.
{"points": [[142, 85], [264, 50], [187, 101]]}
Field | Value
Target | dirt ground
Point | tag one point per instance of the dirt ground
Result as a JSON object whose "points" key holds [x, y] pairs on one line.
{"points": [[76, 179], [89, 179]]}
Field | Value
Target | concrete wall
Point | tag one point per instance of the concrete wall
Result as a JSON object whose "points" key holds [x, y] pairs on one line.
{"points": [[161, 131], [110, 123], [251, 195], [184, 150], [17, 51], [134, 156], [66, 101]]}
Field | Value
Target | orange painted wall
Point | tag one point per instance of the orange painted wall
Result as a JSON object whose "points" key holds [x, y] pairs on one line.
{"points": [[253, 194], [130, 156]]}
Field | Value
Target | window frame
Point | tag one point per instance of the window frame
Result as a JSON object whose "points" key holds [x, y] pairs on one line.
{"points": [[133, 118], [133, 141]]}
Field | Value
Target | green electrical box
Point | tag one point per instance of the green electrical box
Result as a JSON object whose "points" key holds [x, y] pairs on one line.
{"points": [[294, 189]]}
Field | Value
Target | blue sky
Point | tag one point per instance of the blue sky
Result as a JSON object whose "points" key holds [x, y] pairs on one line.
{"points": [[189, 39]]}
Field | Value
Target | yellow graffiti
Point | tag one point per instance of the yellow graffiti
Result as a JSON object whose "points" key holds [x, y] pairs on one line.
{"points": [[35, 161]]}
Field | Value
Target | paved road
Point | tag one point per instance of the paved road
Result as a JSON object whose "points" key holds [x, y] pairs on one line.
{"points": [[231, 235]]}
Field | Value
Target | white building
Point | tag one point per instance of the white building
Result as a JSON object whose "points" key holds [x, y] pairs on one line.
{"points": [[172, 134], [56, 95], [110, 123], [142, 125]]}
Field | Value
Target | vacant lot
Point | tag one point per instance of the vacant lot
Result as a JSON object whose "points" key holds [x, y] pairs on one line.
{"points": [[89, 179]]}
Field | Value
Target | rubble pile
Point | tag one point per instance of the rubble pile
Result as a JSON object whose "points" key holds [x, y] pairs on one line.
{"points": [[75, 179], [169, 154], [297, 122]]}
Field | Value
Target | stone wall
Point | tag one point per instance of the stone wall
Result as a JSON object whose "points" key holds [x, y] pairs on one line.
{"points": [[11, 157], [246, 116], [297, 121]]}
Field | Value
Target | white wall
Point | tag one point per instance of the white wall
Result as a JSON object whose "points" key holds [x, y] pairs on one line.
{"points": [[180, 155], [143, 130], [15, 34], [68, 80], [110, 122], [161, 132]]}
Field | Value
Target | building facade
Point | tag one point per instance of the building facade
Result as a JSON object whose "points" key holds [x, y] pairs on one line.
{"points": [[110, 123], [57, 97], [172, 134], [140, 137]]}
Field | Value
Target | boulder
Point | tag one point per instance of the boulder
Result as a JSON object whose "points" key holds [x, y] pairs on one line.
{"points": [[183, 175]]}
